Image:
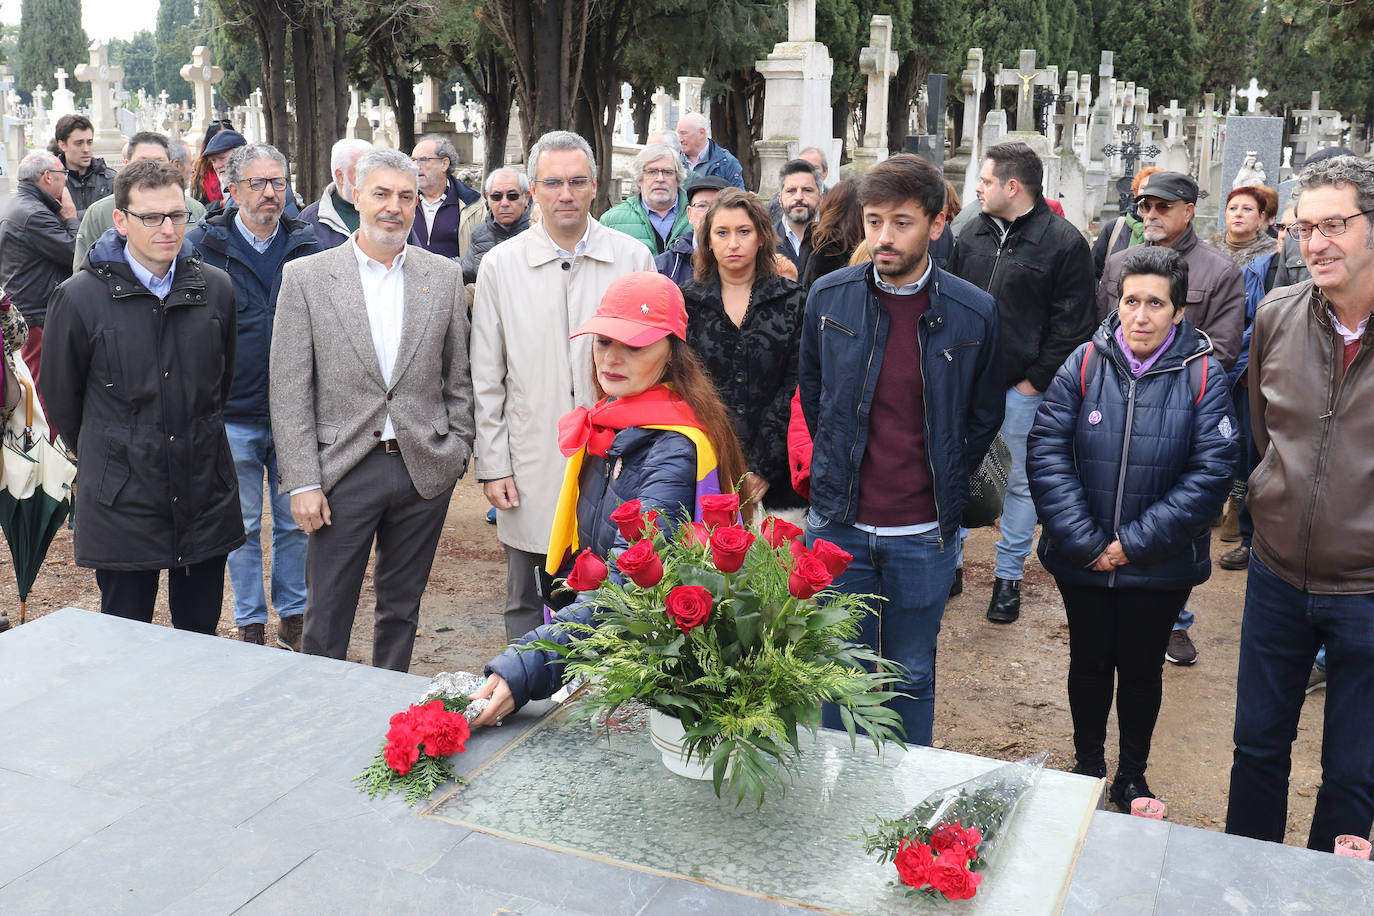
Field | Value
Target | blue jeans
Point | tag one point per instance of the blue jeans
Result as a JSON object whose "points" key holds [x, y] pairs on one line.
{"points": [[914, 574], [1018, 512], [254, 452], [1281, 631]]}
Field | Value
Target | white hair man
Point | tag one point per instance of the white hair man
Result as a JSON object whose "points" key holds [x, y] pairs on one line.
{"points": [[333, 216], [656, 214], [508, 214], [704, 156]]}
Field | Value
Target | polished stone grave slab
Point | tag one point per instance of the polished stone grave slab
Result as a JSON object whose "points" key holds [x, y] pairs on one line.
{"points": [[564, 787], [147, 770]]}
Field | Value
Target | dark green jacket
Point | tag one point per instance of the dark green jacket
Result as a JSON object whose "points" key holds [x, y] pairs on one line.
{"points": [[631, 218]]}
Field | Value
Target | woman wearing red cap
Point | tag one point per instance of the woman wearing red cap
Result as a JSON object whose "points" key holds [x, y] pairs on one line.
{"points": [[744, 321], [658, 434]]}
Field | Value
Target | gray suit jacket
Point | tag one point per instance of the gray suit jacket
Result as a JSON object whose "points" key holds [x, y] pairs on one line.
{"points": [[329, 401]]}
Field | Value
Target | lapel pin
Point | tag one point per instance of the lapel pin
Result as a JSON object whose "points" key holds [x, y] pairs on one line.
{"points": [[424, 289]]}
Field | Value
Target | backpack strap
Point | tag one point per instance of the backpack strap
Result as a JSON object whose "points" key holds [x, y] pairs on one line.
{"points": [[1197, 374], [1086, 369], [1116, 234]]}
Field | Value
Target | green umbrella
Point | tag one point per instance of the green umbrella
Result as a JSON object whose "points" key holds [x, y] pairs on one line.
{"points": [[36, 497]]}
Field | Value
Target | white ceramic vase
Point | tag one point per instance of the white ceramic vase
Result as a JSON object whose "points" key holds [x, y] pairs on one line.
{"points": [[668, 737]]}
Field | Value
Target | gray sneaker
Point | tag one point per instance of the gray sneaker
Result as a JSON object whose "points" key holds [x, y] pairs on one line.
{"points": [[1316, 680], [1181, 650]]}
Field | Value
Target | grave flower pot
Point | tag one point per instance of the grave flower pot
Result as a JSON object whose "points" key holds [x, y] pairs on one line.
{"points": [[668, 738], [1352, 847]]}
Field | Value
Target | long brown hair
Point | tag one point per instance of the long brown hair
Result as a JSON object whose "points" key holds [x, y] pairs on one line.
{"points": [[704, 265], [685, 373], [840, 222]]}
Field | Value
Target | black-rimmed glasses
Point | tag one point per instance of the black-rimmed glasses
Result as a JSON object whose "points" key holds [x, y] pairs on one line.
{"points": [[154, 220], [257, 184]]}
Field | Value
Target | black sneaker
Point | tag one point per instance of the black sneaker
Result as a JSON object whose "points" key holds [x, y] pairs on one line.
{"points": [[1126, 789], [1005, 605], [1181, 650], [958, 587]]}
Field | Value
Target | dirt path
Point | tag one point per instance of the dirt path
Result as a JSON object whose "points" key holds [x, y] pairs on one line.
{"points": [[1001, 689]]}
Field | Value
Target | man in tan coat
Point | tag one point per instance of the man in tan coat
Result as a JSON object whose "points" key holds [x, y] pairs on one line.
{"points": [[532, 291]]}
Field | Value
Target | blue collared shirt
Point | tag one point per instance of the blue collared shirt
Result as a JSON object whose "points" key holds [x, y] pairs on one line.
{"points": [[909, 289], [663, 225], [158, 287], [258, 244]]}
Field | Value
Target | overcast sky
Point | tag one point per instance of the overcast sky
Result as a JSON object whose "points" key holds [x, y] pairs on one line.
{"points": [[102, 18]]}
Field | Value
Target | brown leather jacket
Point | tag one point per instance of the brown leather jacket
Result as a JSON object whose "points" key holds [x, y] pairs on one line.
{"points": [[1313, 425]]}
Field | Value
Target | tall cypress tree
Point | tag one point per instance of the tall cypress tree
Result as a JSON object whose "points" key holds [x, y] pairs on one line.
{"points": [[1157, 47], [175, 19], [50, 36], [1003, 27], [1228, 29]]}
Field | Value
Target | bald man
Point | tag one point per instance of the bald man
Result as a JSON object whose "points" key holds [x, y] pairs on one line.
{"points": [[704, 156]]}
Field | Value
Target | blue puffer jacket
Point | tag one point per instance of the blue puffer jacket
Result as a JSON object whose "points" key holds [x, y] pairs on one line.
{"points": [[844, 335], [257, 304], [655, 466], [1134, 459]]}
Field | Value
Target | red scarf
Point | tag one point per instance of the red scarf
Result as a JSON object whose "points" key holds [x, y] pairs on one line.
{"points": [[596, 428]]}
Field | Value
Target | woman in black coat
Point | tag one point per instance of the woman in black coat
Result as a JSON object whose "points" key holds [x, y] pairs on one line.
{"points": [[1129, 459], [744, 323]]}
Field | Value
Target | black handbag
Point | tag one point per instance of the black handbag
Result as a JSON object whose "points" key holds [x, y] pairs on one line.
{"points": [[988, 486]]}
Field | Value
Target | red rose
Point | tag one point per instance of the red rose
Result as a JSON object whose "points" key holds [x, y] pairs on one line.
{"points": [[629, 519], [651, 522], [914, 862], [696, 534], [588, 572], [778, 532], [835, 559], [809, 576], [688, 606], [719, 509], [951, 877], [729, 545], [641, 564]]}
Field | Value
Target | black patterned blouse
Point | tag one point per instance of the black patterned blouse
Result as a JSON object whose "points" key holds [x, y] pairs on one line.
{"points": [[754, 367]]}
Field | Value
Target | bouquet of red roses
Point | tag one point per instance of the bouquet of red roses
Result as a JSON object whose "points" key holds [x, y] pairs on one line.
{"points": [[943, 845], [413, 759]]}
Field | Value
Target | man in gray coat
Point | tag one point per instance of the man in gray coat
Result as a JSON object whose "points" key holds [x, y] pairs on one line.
{"points": [[371, 405]]}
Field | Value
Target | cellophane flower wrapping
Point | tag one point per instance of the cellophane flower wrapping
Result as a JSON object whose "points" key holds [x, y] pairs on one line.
{"points": [[944, 845]]}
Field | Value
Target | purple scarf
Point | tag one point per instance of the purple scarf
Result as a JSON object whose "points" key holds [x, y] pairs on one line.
{"points": [[1138, 367]]}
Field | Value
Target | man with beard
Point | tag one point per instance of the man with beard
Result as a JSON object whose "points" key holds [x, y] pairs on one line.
{"points": [[252, 240], [88, 177], [371, 404], [800, 198], [442, 196], [1216, 303], [333, 216], [657, 214], [903, 390]]}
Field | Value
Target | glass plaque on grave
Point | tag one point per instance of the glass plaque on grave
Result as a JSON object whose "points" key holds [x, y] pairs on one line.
{"points": [[566, 787]]}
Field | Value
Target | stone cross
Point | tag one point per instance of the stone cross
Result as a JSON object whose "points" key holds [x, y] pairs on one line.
{"points": [[39, 94], [689, 94], [801, 20], [63, 99], [1252, 94], [879, 61], [429, 96], [1312, 118], [202, 75], [659, 114], [100, 74], [1173, 120], [1024, 79], [61, 76], [971, 83]]}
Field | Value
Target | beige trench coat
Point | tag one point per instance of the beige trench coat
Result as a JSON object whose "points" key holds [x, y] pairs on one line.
{"points": [[526, 373]]}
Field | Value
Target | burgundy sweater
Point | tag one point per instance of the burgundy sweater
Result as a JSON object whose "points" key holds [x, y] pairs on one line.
{"points": [[895, 488]]}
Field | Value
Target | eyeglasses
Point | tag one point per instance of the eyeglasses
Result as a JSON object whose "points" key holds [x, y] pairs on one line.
{"points": [[154, 220], [556, 184], [497, 196], [659, 173], [699, 205], [1328, 227], [421, 160], [1159, 206], [257, 184], [59, 171]]}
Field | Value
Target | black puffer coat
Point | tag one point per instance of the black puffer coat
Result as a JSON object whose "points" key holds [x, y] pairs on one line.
{"points": [[754, 367], [1133, 459], [654, 466], [137, 386]]}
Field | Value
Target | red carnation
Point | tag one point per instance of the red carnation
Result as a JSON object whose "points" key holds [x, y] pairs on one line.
{"points": [[446, 732], [809, 576], [729, 546], [696, 534], [914, 863], [688, 606], [628, 517], [588, 572], [641, 564], [951, 877], [401, 757], [778, 532], [835, 559], [719, 509]]}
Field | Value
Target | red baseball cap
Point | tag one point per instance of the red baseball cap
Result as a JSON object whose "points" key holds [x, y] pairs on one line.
{"points": [[638, 309]]}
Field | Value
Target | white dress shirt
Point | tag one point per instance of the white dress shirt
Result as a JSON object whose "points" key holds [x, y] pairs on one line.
{"points": [[384, 292], [429, 209]]}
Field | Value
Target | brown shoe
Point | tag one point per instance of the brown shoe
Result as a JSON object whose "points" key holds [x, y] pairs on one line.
{"points": [[252, 632], [1235, 559], [289, 631]]}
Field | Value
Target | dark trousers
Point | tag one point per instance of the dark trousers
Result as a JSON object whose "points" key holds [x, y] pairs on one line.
{"points": [[1282, 629], [526, 587], [376, 500], [195, 594], [1119, 632]]}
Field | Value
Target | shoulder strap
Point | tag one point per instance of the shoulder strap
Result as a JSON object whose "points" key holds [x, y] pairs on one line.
{"points": [[1197, 374], [1116, 234], [1087, 369]]}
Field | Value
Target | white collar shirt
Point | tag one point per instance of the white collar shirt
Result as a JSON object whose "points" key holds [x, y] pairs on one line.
{"points": [[384, 293], [430, 209]]}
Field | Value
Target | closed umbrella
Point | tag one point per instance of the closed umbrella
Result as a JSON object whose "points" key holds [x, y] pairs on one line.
{"points": [[36, 491]]}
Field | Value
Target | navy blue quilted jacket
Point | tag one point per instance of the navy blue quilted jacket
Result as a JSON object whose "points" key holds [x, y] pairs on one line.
{"points": [[655, 466], [1134, 459]]}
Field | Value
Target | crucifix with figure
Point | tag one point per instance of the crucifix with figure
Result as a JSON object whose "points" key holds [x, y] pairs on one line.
{"points": [[1024, 79]]}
